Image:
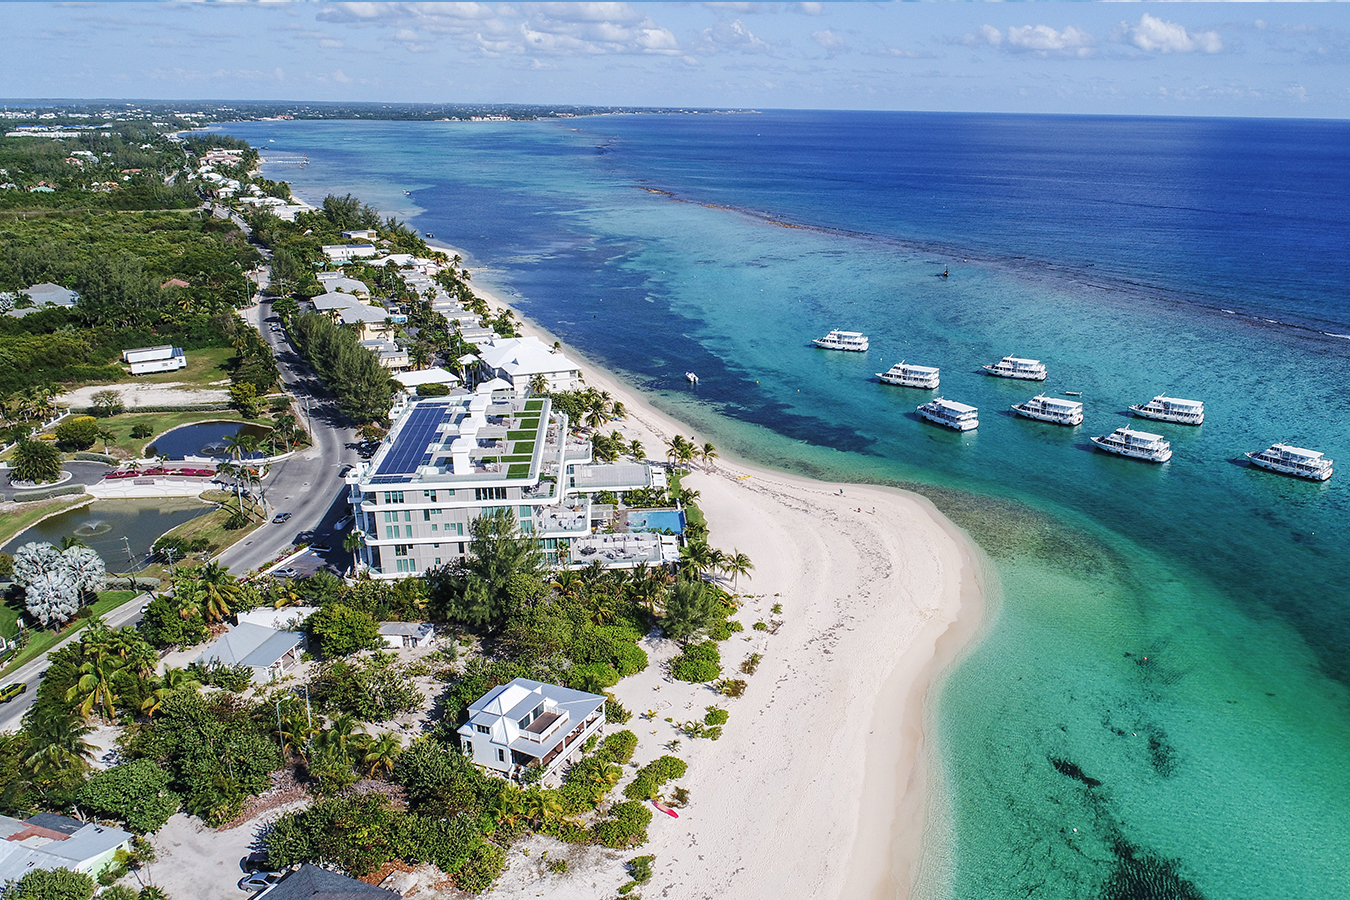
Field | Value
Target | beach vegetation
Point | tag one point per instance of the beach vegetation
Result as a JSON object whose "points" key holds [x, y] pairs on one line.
{"points": [[751, 663], [647, 783], [760, 626], [52, 884], [374, 689], [697, 662], [38, 462], [364, 388], [340, 630], [626, 826], [135, 793], [691, 607]]}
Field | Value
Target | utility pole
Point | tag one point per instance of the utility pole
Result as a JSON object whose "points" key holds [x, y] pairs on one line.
{"points": [[168, 551], [280, 740], [131, 563]]}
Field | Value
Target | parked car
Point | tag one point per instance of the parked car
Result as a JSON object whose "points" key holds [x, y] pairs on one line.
{"points": [[10, 691], [280, 517], [343, 523], [289, 571], [256, 862], [259, 880]]}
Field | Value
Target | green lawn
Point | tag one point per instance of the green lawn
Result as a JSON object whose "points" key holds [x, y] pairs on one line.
{"points": [[518, 470], [203, 368], [523, 448], [692, 513], [521, 435], [43, 640]]}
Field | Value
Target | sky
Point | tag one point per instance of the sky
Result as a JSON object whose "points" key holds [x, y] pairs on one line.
{"points": [[1195, 59]]}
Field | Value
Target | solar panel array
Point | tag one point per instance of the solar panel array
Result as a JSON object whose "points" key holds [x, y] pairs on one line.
{"points": [[410, 447]]}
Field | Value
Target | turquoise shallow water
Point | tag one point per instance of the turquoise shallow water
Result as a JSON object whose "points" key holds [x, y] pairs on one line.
{"points": [[1167, 670]]}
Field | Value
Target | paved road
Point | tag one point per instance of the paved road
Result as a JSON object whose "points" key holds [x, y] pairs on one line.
{"points": [[31, 673], [307, 485], [85, 473]]}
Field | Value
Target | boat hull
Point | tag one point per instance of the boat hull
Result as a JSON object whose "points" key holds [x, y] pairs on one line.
{"points": [[900, 382], [825, 346], [1071, 421], [1016, 376], [1128, 453], [960, 425], [1268, 465], [1141, 413]]}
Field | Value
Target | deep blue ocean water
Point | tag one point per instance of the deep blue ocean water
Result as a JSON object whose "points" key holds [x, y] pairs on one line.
{"points": [[1167, 671]]}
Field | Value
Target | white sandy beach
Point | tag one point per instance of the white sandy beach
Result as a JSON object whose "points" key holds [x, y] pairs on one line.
{"points": [[819, 784]]}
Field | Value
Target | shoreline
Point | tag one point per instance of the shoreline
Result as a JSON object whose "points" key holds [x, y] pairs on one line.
{"points": [[887, 802]]}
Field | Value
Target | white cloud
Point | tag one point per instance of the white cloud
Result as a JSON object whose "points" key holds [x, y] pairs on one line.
{"points": [[731, 36], [827, 39], [1039, 39], [809, 9], [1297, 92], [1159, 36], [1045, 40]]}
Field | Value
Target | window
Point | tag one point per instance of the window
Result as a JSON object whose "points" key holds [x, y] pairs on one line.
{"points": [[400, 549], [461, 548], [393, 496], [406, 565], [438, 560], [407, 517], [456, 528], [525, 722], [501, 755], [434, 526], [492, 493], [524, 512], [426, 515], [391, 531], [482, 729], [468, 747], [430, 494]]}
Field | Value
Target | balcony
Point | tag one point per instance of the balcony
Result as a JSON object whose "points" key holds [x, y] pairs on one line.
{"points": [[544, 727]]}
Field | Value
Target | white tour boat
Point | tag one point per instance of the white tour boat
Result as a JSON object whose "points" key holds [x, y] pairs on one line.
{"points": [[843, 340], [1051, 409], [1293, 461], [950, 414], [691, 377], [1136, 445], [1016, 367], [1170, 409], [906, 375]]}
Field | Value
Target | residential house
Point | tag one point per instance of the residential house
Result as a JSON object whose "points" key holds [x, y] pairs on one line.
{"points": [[411, 381], [363, 234], [519, 360], [164, 358], [41, 296], [310, 882], [369, 322], [530, 724], [49, 841], [287, 618], [391, 355], [407, 635], [267, 651], [341, 253]]}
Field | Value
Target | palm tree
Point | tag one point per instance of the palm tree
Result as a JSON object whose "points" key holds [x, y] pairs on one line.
{"points": [[56, 743], [717, 559], [698, 556], [708, 453], [738, 564], [636, 450], [618, 410], [687, 450], [538, 383], [381, 753], [214, 590], [105, 436], [173, 681], [351, 542], [94, 686]]}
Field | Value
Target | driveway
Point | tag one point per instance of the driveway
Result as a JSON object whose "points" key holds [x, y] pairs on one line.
{"points": [[197, 862], [85, 473]]}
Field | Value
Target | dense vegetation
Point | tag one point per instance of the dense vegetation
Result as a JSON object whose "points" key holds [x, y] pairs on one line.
{"points": [[364, 388]]}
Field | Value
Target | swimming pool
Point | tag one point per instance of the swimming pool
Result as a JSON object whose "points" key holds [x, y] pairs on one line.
{"points": [[656, 520]]}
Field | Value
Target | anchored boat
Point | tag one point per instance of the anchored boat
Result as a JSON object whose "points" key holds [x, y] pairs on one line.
{"points": [[1171, 409], [950, 414], [843, 340], [1296, 461], [906, 375], [1016, 367], [1135, 445], [1051, 409]]}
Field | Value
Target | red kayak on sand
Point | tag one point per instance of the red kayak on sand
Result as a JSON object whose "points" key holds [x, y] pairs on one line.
{"points": [[665, 809]]}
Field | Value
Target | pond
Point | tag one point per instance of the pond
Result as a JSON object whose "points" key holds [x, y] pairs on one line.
{"points": [[103, 524], [205, 439]]}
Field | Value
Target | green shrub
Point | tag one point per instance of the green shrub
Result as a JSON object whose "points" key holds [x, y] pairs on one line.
{"points": [[77, 432], [141, 431], [52, 884], [650, 778], [229, 678], [697, 662], [625, 827], [730, 687], [64, 490], [433, 390], [135, 793], [341, 631], [618, 747], [97, 457], [640, 868], [716, 716], [751, 663], [629, 659], [482, 868], [615, 711], [760, 626]]}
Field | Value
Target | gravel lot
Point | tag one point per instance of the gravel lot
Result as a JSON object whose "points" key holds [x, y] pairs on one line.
{"points": [[197, 863]]}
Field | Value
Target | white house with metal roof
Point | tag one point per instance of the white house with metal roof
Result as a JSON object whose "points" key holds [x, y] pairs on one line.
{"points": [[49, 841], [518, 360], [267, 651], [529, 724]]}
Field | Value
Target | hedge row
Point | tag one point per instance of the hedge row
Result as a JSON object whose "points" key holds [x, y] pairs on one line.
{"points": [[62, 491], [132, 410], [87, 456]]}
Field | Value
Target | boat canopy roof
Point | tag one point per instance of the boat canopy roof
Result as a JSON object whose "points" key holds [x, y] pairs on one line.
{"points": [[918, 370], [1289, 450], [1138, 435], [1056, 402], [1173, 401], [835, 332], [953, 405], [1021, 361]]}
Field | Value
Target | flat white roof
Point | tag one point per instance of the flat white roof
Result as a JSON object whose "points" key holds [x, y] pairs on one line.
{"points": [[953, 405]]}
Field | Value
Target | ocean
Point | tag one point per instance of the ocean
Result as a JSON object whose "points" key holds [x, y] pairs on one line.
{"points": [[1159, 708]]}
